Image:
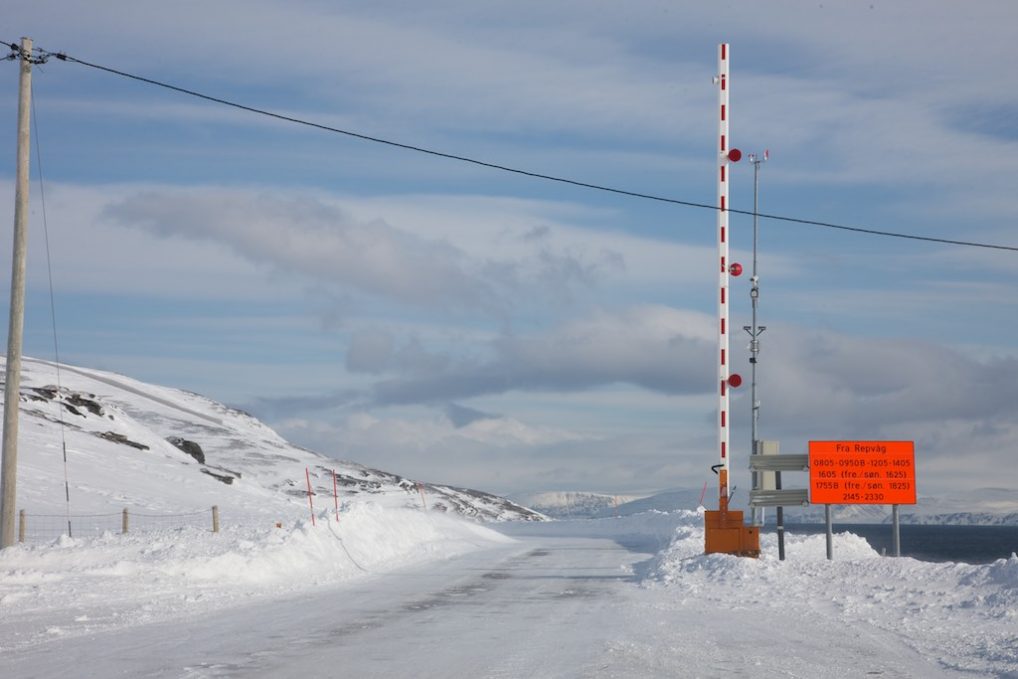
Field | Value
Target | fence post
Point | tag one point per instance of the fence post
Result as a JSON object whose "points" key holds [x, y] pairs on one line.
{"points": [[21, 525], [215, 518], [335, 494], [124, 522], [311, 504]]}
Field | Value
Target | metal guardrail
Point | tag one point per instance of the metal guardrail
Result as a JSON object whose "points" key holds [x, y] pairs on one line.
{"points": [[779, 498], [779, 463]]}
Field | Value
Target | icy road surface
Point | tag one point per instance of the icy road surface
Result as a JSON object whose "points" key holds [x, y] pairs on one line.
{"points": [[554, 603]]}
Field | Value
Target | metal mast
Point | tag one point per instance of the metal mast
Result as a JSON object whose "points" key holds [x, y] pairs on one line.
{"points": [[754, 330]]}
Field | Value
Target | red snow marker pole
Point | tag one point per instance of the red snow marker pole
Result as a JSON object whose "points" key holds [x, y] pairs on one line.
{"points": [[335, 494], [311, 503], [420, 489]]}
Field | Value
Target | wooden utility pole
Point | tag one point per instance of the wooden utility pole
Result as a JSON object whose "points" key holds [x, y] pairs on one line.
{"points": [[15, 329]]}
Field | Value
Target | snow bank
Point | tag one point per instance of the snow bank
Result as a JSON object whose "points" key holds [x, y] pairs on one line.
{"points": [[964, 615], [83, 585]]}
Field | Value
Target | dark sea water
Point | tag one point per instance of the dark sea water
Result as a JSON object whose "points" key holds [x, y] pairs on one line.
{"points": [[966, 544]]}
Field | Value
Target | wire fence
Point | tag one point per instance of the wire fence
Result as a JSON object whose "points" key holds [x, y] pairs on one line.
{"points": [[48, 527]]}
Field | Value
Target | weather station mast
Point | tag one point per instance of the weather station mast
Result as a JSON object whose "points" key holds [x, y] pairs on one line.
{"points": [[755, 330], [724, 529]]}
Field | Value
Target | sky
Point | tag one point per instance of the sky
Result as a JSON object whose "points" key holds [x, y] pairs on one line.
{"points": [[463, 325]]}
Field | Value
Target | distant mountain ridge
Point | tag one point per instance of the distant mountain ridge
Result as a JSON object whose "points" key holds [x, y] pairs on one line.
{"points": [[573, 504], [160, 449], [986, 507]]}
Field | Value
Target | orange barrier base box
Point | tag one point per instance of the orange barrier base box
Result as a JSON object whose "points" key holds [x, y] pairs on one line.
{"points": [[724, 533]]}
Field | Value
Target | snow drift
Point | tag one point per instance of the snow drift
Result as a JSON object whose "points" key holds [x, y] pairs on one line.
{"points": [[75, 586], [965, 615]]}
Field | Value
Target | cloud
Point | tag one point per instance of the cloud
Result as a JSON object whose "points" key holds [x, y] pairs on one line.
{"points": [[309, 237], [864, 384], [452, 253], [840, 93], [90, 255], [376, 351], [822, 385], [807, 375], [653, 347], [813, 385], [303, 236], [462, 416], [428, 432], [503, 454], [370, 351], [534, 235], [650, 346], [564, 70]]}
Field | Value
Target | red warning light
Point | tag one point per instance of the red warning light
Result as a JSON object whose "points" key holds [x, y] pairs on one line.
{"points": [[735, 155], [735, 269], [735, 380]]}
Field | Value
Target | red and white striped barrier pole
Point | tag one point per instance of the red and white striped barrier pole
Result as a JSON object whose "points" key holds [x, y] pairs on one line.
{"points": [[723, 529], [726, 155]]}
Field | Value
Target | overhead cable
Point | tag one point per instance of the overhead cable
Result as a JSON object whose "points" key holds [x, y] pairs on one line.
{"points": [[61, 56]]}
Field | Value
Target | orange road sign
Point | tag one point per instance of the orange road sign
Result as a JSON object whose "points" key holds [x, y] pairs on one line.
{"points": [[862, 472]]}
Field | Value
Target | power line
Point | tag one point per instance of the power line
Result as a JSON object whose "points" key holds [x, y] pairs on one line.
{"points": [[44, 55], [380, 140], [53, 316]]}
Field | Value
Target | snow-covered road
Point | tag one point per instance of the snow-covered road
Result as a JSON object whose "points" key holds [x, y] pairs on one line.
{"points": [[538, 607], [560, 601]]}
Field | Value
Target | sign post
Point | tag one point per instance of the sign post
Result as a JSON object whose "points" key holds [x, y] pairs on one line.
{"points": [[862, 473], [830, 532], [896, 529]]}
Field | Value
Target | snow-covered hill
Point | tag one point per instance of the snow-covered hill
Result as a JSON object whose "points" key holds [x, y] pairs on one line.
{"points": [[665, 501], [573, 504], [983, 507], [161, 450]]}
